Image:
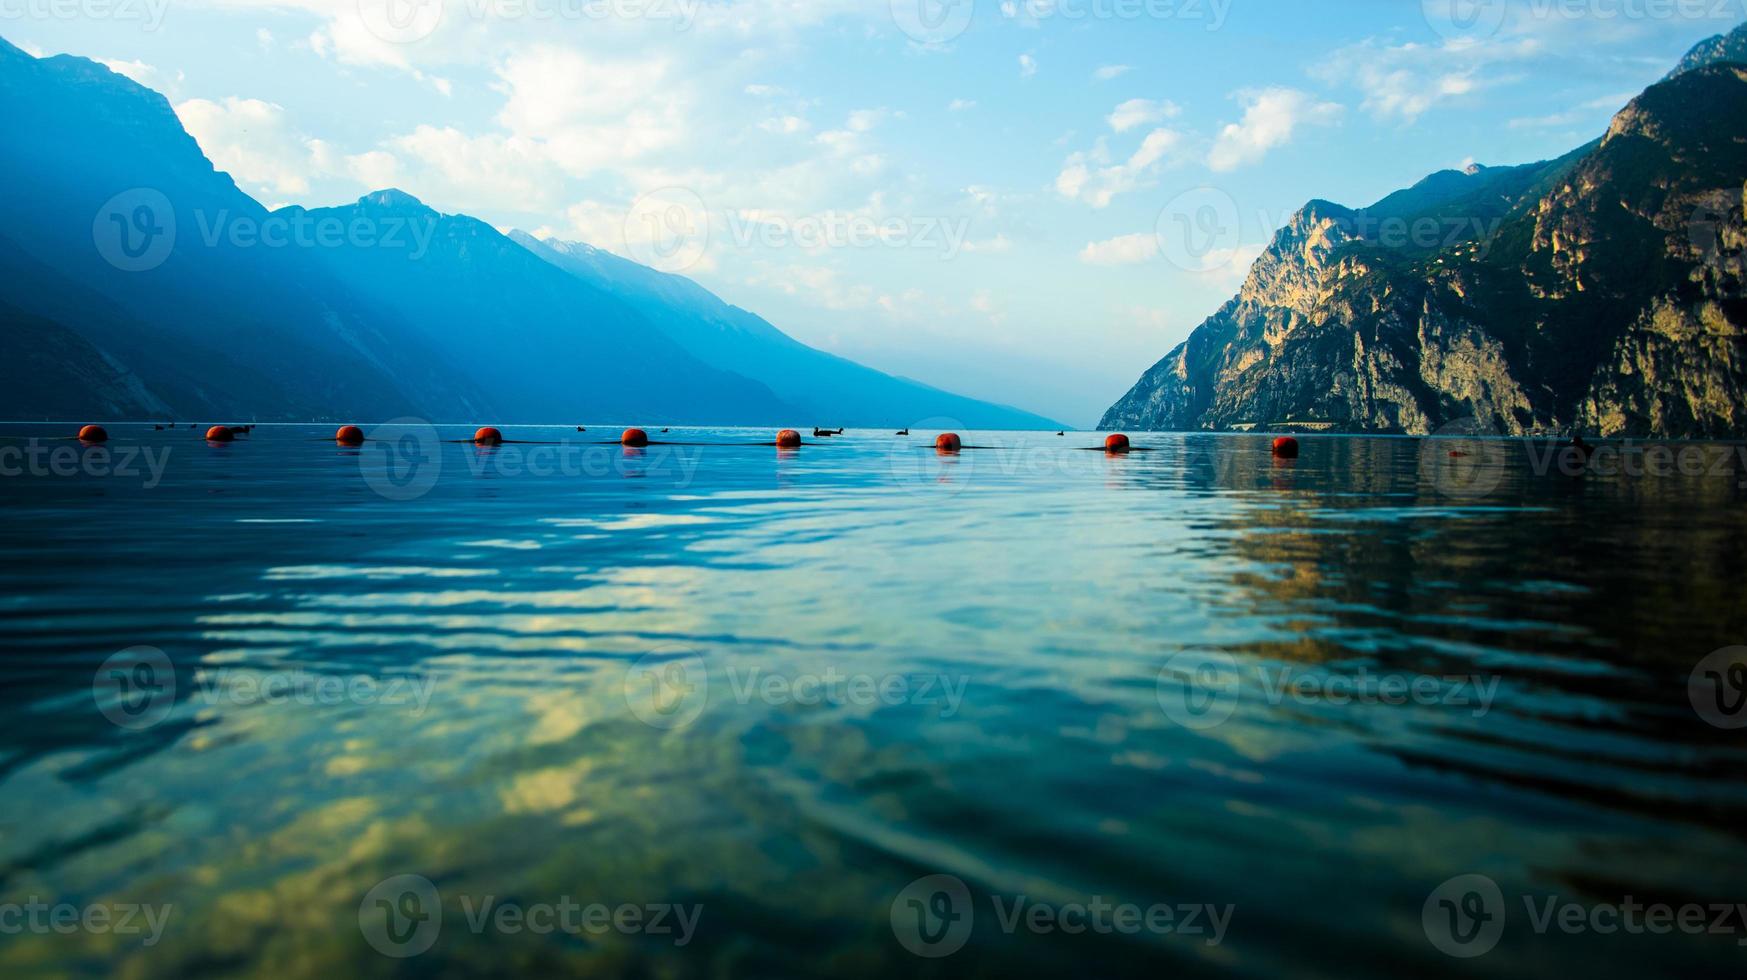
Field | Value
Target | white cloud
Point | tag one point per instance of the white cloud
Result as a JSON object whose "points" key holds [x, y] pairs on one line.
{"points": [[1147, 317], [1122, 250], [587, 113], [994, 246], [1140, 112], [1092, 178], [864, 120], [1107, 72], [139, 71], [1581, 114], [784, 125], [960, 105], [1271, 116], [147, 75], [462, 172], [254, 142], [1027, 66], [1226, 268], [377, 169], [1403, 82]]}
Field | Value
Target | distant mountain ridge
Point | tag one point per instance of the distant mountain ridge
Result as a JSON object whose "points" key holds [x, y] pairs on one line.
{"points": [[1601, 291], [1730, 47], [456, 322], [820, 385]]}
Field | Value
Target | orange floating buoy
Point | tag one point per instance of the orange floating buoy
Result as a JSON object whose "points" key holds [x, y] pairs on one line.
{"points": [[220, 433], [948, 442], [93, 433], [634, 437], [788, 439], [349, 435], [1117, 443], [488, 436], [1286, 447]]}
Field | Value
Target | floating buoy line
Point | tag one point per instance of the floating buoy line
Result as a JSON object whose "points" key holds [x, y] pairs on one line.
{"points": [[945, 444], [353, 436]]}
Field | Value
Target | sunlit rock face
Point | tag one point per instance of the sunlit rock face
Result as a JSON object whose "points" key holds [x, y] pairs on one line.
{"points": [[1600, 291]]}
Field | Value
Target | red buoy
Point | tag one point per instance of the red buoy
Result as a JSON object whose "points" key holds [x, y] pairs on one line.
{"points": [[349, 435], [488, 436], [93, 433], [1117, 443], [220, 433], [948, 442], [634, 437], [788, 439], [1286, 447]]}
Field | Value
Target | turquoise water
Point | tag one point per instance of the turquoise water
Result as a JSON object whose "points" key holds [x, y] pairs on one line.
{"points": [[767, 692]]}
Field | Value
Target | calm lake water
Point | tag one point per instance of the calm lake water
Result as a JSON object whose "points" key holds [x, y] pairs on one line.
{"points": [[430, 709]]}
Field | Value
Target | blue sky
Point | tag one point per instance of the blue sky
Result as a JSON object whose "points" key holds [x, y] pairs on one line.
{"points": [[1028, 202]]}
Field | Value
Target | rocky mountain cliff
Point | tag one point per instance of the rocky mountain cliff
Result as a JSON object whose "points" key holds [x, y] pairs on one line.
{"points": [[1601, 291]]}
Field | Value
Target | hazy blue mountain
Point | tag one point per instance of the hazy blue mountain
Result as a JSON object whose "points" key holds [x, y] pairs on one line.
{"points": [[545, 345], [213, 329], [375, 310], [825, 387]]}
